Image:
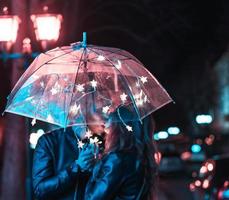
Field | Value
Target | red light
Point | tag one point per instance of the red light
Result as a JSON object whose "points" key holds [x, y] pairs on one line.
{"points": [[157, 157], [47, 26], [9, 28], [210, 166], [205, 184], [226, 184], [186, 155], [197, 183], [192, 187], [203, 170]]}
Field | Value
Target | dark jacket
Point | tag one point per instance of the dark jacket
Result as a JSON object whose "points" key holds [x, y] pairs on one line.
{"points": [[118, 176], [55, 174]]}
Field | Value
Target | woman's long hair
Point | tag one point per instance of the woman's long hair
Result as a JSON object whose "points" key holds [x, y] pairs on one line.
{"points": [[140, 139]]}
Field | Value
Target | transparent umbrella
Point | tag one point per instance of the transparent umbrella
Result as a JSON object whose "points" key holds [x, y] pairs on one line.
{"points": [[66, 84]]}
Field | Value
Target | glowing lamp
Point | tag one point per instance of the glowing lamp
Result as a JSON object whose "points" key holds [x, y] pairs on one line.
{"points": [[210, 166], [196, 148], [205, 184], [173, 130], [9, 27], [47, 26], [163, 135], [204, 119], [203, 170], [197, 183]]}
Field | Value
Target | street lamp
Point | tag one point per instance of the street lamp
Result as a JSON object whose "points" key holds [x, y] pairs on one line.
{"points": [[9, 27], [47, 29]]}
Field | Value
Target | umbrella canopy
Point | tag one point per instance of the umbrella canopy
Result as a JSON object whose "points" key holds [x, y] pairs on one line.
{"points": [[65, 85]]}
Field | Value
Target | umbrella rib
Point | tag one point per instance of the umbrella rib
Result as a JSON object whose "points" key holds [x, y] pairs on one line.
{"points": [[131, 57], [74, 86], [127, 85]]}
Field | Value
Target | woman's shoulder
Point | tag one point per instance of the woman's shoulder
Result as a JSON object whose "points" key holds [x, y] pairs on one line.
{"points": [[121, 156]]}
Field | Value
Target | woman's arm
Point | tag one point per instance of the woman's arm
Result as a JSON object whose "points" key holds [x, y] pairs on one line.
{"points": [[106, 183]]}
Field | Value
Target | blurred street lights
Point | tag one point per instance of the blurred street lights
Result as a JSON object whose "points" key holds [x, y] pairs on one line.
{"points": [[47, 29]]}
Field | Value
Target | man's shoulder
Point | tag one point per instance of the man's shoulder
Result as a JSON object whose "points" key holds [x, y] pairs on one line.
{"points": [[52, 136]]}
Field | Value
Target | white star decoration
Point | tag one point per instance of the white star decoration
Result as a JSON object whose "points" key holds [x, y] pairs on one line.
{"points": [[101, 58], [139, 102], [118, 65], [145, 99], [80, 87], [140, 98], [123, 97], [80, 144], [94, 140], [42, 84], [33, 122], [137, 84], [54, 91], [49, 118], [143, 79], [94, 83], [105, 109], [74, 109], [88, 134], [129, 128]]}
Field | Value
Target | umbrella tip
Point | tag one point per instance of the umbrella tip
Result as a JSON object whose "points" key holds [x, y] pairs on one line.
{"points": [[84, 40]]}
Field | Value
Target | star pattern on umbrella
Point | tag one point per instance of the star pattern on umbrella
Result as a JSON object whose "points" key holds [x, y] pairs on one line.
{"points": [[54, 91], [94, 140], [123, 97], [49, 118], [80, 144], [33, 122], [106, 109], [74, 109], [42, 84], [88, 134], [100, 58], [137, 84], [129, 128], [140, 98], [80, 87], [143, 79], [93, 83]]}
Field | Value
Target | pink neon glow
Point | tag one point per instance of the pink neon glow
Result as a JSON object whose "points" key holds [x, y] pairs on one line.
{"points": [[205, 184], [47, 26], [9, 27], [203, 170], [210, 166], [197, 183], [192, 187], [157, 157]]}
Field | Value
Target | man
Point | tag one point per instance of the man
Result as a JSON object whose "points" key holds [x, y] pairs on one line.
{"points": [[62, 163]]}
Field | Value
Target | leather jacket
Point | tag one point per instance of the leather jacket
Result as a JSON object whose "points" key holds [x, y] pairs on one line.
{"points": [[117, 176], [55, 174]]}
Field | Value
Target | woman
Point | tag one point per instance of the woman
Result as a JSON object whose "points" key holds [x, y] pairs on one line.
{"points": [[127, 169]]}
